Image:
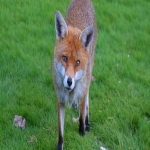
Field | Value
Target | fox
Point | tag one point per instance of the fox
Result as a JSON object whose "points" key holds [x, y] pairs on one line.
{"points": [[73, 61]]}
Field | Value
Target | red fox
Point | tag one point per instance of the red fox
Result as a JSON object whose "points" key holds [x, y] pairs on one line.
{"points": [[73, 61]]}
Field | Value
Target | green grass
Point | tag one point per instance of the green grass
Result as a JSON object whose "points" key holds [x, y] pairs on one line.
{"points": [[119, 99]]}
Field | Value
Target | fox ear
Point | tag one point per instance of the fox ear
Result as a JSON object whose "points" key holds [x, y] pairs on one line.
{"points": [[60, 26], [86, 37]]}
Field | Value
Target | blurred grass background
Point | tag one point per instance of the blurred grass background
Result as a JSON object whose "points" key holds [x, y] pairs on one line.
{"points": [[119, 98]]}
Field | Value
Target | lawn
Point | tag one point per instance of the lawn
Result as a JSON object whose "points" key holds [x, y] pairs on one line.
{"points": [[119, 98]]}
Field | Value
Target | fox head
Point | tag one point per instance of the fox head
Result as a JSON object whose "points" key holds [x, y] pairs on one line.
{"points": [[71, 53]]}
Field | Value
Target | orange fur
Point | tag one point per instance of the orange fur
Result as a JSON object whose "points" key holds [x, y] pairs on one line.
{"points": [[73, 50]]}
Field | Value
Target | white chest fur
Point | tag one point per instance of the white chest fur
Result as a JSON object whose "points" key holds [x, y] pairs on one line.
{"points": [[64, 95]]}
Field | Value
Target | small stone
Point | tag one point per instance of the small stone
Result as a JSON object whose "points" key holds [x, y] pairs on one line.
{"points": [[102, 148], [19, 122], [75, 119]]}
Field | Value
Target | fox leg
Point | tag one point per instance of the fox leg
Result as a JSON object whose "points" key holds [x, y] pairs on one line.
{"points": [[84, 116], [61, 114], [87, 125]]}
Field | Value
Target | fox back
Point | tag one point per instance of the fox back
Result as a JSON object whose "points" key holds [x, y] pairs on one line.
{"points": [[81, 15]]}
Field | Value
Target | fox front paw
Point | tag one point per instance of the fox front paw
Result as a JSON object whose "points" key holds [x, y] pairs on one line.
{"points": [[60, 143], [81, 132], [60, 147], [81, 129]]}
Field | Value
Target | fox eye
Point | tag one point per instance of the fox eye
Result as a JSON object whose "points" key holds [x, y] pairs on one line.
{"points": [[64, 58], [77, 62]]}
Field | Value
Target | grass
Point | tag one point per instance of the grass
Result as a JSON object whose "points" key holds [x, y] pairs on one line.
{"points": [[119, 99]]}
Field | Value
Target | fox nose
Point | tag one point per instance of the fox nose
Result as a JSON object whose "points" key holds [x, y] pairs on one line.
{"points": [[69, 81]]}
